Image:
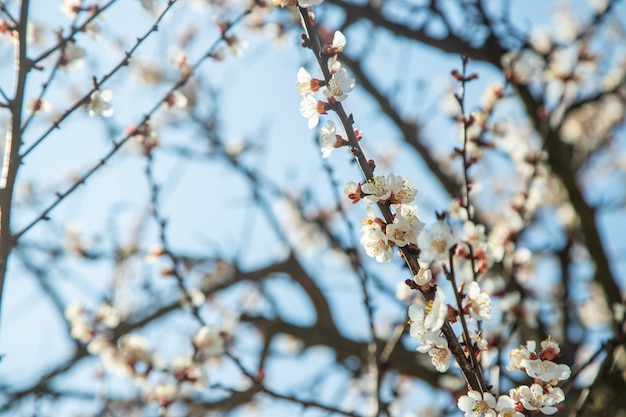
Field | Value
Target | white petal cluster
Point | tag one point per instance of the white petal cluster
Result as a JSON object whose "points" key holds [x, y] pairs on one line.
{"points": [[543, 395], [396, 189], [336, 88], [538, 397], [378, 237]]}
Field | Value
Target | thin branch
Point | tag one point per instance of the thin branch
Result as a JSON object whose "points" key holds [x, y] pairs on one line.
{"points": [[13, 142], [473, 378], [117, 145], [98, 83]]}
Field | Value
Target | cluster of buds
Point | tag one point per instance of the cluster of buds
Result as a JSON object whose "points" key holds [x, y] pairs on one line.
{"points": [[542, 396]]}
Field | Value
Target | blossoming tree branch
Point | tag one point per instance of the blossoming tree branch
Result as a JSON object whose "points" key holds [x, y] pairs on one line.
{"points": [[175, 240]]}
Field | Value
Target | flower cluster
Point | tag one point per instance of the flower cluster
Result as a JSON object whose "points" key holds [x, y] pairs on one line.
{"points": [[131, 354], [542, 396], [378, 237], [336, 88], [425, 326]]}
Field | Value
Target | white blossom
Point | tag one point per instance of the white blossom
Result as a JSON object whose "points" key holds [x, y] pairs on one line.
{"points": [[108, 315], [440, 358], [134, 348], [328, 139], [377, 189], [303, 82], [209, 342], [434, 244], [400, 232], [376, 245], [479, 303], [70, 8], [339, 85], [534, 398], [339, 42], [99, 103], [475, 404], [309, 109]]}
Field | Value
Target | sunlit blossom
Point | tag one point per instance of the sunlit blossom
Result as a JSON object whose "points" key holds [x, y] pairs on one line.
{"points": [[479, 303], [328, 139], [475, 404], [339, 85]]}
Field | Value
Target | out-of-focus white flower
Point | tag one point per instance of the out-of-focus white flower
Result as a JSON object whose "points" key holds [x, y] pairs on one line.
{"points": [[435, 244], [134, 348], [478, 341], [475, 404], [491, 95], [209, 342], [70, 8], [99, 103], [38, 106], [147, 4], [93, 30], [440, 358], [403, 292], [541, 40], [522, 66], [74, 311], [236, 45], [71, 56], [108, 315]]}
